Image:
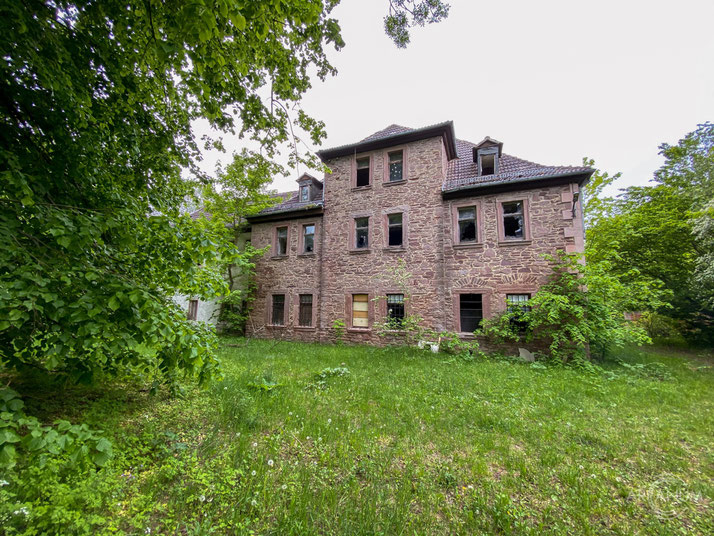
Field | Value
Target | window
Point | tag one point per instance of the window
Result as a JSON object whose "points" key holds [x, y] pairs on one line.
{"points": [[361, 233], [360, 311], [395, 229], [305, 313], [305, 193], [518, 304], [308, 238], [362, 172], [281, 238], [192, 313], [395, 308], [470, 312], [467, 224], [488, 164], [396, 166], [513, 220], [277, 314]]}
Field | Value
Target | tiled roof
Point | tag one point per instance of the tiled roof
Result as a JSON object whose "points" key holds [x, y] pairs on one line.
{"points": [[290, 203], [391, 130], [462, 172]]}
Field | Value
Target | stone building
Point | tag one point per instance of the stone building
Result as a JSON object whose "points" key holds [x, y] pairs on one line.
{"points": [[469, 222]]}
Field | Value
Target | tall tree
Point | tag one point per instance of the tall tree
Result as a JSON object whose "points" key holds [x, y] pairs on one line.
{"points": [[97, 99], [406, 14]]}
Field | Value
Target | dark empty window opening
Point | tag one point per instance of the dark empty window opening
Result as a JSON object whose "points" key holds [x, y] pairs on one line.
{"points": [[308, 240], [277, 317], [467, 224], [361, 233], [518, 305], [470, 312], [192, 313], [305, 316], [488, 164], [396, 166], [395, 308], [362, 172], [513, 220], [304, 193], [396, 229], [282, 238]]}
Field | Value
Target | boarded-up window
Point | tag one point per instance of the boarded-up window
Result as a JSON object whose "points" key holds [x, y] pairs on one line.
{"points": [[513, 220], [470, 312], [308, 238], [305, 316], [395, 307], [396, 166], [281, 235], [361, 233], [192, 310], [277, 316], [362, 172], [467, 224], [396, 229], [360, 310]]}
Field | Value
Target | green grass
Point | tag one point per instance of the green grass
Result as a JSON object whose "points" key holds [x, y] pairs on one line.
{"points": [[407, 442]]}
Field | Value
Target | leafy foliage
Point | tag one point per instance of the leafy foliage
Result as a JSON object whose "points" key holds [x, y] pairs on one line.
{"points": [[665, 231], [405, 14], [580, 309], [98, 103]]}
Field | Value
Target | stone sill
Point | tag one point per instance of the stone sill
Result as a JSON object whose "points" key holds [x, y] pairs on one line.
{"points": [[360, 251], [275, 326], [515, 242], [278, 257], [475, 245], [305, 328], [395, 249], [307, 255], [361, 188], [394, 183], [359, 330]]}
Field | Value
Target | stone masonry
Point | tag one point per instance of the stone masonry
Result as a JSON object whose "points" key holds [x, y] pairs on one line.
{"points": [[440, 175]]}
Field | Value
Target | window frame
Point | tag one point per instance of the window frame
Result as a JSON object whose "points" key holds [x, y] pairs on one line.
{"points": [[275, 253], [385, 309], [192, 311], [522, 327], [286, 309], [354, 171], [502, 239], [304, 188], [301, 244], [348, 311], [491, 151], [353, 233], [455, 207], [405, 165], [313, 312], [456, 307]]}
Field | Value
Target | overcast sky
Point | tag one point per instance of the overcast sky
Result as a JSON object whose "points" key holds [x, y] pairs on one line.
{"points": [[554, 80]]}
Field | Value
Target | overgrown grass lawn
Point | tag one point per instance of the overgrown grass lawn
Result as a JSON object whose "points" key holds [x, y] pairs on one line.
{"points": [[310, 439]]}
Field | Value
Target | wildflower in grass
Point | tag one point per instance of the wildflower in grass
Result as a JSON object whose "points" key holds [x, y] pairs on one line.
{"points": [[147, 530], [253, 472], [329, 421], [290, 413], [24, 511], [202, 498], [255, 445], [271, 463], [4, 483], [284, 486], [254, 503]]}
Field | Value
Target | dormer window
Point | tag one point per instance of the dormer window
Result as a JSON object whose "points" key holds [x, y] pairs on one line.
{"points": [[488, 164], [486, 155], [305, 193]]}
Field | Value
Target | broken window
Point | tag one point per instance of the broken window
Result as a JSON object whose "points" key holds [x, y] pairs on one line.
{"points": [[467, 224], [362, 172], [361, 233], [192, 310], [305, 316], [488, 164], [395, 229], [513, 220], [308, 238], [396, 166], [395, 307], [277, 317], [360, 311], [281, 235], [305, 193], [470, 312]]}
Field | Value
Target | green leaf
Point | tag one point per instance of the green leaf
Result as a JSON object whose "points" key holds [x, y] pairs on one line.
{"points": [[238, 20], [8, 436], [7, 456]]}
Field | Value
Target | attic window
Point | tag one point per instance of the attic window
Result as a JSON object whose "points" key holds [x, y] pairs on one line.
{"points": [[487, 163], [305, 193]]}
